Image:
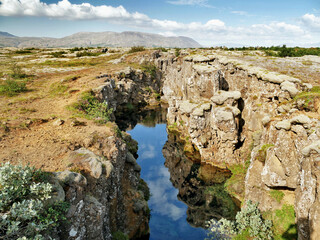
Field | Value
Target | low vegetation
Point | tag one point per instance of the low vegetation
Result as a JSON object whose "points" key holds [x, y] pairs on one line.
{"points": [[222, 200], [150, 69], [71, 78], [119, 236], [145, 189], [249, 224], [276, 195], [58, 89], [89, 106], [24, 208], [281, 51], [17, 72], [177, 52], [23, 51], [309, 98], [11, 87], [235, 184], [87, 53], [15, 82], [136, 49], [58, 54], [262, 153], [76, 49], [162, 49], [284, 226]]}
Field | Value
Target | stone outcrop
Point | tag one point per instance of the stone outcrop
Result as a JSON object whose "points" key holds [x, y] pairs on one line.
{"points": [[232, 112], [200, 186], [103, 193], [130, 89]]}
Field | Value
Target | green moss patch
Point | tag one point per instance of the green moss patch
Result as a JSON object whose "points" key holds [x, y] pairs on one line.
{"points": [[276, 195], [235, 184], [262, 153], [284, 226]]}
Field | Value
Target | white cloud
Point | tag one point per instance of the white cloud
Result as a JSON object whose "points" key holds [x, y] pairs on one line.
{"points": [[201, 3], [148, 152], [212, 32], [66, 10], [311, 21], [241, 13]]}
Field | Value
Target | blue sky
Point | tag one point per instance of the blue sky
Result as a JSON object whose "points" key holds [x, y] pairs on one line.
{"points": [[210, 22]]}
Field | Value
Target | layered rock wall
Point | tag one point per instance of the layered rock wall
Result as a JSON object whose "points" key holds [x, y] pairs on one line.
{"points": [[234, 112], [103, 191], [104, 188]]}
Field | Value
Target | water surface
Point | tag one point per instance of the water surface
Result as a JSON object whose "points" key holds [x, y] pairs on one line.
{"points": [[168, 214]]}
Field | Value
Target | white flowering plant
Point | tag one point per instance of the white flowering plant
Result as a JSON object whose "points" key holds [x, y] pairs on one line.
{"points": [[248, 223], [24, 213]]}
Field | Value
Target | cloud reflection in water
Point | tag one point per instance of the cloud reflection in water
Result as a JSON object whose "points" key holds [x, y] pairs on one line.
{"points": [[163, 195], [148, 151]]}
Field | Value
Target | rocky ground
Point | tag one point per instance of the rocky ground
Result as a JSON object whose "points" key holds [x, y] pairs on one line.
{"points": [[39, 127], [231, 108]]}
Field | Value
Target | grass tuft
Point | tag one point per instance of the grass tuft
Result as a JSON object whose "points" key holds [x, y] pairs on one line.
{"points": [[90, 107], [12, 87]]}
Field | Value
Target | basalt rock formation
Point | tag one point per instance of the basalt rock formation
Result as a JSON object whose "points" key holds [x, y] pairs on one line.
{"points": [[200, 186], [107, 195], [104, 191], [234, 112]]}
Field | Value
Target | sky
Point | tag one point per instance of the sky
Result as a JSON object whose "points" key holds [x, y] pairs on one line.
{"points": [[210, 22]]}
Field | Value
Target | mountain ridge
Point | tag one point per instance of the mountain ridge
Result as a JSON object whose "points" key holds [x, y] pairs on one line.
{"points": [[6, 34], [99, 39]]}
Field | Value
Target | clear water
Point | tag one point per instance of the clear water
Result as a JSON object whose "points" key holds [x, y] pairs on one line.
{"points": [[168, 214]]}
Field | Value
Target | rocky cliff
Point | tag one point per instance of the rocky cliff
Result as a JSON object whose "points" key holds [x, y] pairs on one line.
{"points": [[233, 112], [107, 195], [103, 191]]}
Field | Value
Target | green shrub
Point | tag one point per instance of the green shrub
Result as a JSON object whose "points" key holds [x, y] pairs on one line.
{"points": [[177, 52], [150, 69], [58, 54], [17, 72], [249, 223], [92, 108], [136, 49], [282, 51], [23, 52], [12, 87], [162, 49], [87, 53], [75, 49], [23, 209], [118, 235]]}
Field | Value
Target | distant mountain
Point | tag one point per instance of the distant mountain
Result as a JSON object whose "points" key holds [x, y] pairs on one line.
{"points": [[100, 39], [5, 34]]}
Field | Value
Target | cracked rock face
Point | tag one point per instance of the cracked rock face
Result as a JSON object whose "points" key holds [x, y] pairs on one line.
{"points": [[233, 112], [104, 194]]}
